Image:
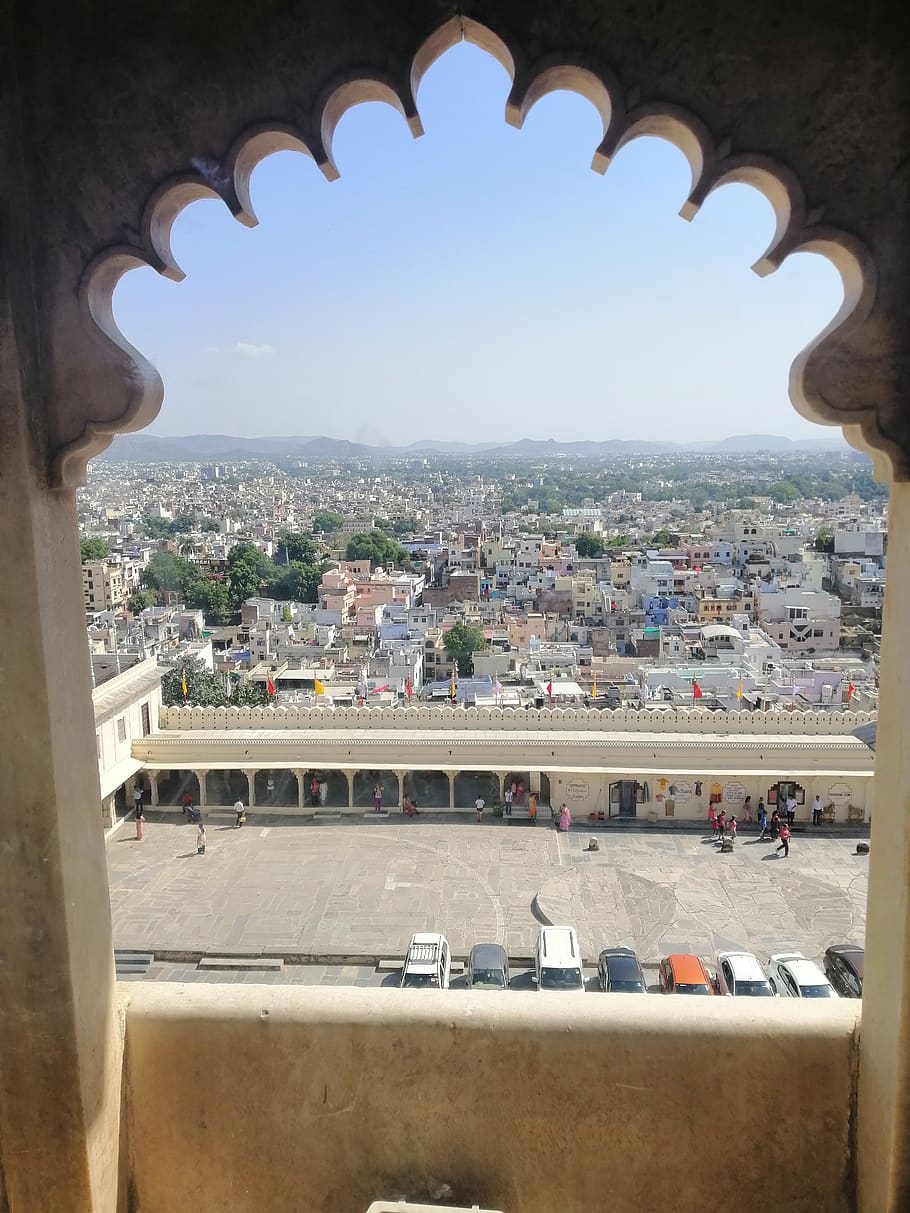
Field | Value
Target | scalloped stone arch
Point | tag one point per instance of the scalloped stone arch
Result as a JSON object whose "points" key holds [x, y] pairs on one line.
{"points": [[624, 116]]}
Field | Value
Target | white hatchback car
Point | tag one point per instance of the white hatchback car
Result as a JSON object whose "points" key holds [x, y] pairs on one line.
{"points": [[428, 963], [792, 976], [739, 973]]}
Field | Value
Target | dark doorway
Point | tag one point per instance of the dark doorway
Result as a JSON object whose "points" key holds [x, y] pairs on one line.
{"points": [[624, 798]]}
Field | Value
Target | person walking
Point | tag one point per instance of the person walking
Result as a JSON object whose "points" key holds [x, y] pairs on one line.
{"points": [[314, 792], [241, 814], [137, 795], [508, 796], [722, 823], [763, 822], [532, 805], [775, 823], [140, 818], [565, 818], [761, 809], [200, 839], [480, 805], [791, 809], [186, 801], [747, 810], [377, 798], [714, 826], [270, 789], [817, 811], [784, 843], [732, 828]]}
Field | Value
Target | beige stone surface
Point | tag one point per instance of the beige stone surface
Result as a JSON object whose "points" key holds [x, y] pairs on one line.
{"points": [[324, 1100]]}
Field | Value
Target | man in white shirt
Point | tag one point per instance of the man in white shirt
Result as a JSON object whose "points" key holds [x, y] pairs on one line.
{"points": [[791, 809], [480, 804]]}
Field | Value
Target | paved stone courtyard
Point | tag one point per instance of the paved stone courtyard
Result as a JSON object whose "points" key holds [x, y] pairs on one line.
{"points": [[344, 889]]}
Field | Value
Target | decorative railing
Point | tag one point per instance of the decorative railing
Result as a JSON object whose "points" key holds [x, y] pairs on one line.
{"points": [[533, 720]]}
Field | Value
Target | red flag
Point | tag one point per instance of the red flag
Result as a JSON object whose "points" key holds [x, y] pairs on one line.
{"points": [[269, 686], [850, 689], [409, 690], [697, 692], [550, 688]]}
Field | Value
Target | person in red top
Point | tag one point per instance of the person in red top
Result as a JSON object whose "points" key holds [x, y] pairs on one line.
{"points": [[721, 823], [784, 844]]}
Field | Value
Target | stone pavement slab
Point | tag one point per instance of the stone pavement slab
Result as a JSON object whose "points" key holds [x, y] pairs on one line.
{"points": [[349, 889]]}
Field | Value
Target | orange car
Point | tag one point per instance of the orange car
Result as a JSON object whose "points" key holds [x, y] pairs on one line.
{"points": [[682, 974]]}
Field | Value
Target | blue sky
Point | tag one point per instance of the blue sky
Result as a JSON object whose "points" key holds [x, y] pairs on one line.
{"points": [[478, 283]]}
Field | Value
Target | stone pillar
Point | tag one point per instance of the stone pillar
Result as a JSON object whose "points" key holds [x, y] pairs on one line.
{"points": [[301, 789], [401, 775], [62, 1053], [153, 787], [883, 1112], [251, 781], [451, 775], [349, 776], [200, 776], [109, 811], [501, 776]]}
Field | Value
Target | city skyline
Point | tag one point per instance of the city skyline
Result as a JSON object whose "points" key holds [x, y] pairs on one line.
{"points": [[479, 284]]}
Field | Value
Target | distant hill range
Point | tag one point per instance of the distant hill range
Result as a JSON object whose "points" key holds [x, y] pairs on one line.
{"points": [[203, 448]]}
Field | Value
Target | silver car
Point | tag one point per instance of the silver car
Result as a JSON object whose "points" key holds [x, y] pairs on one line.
{"points": [[488, 967], [792, 976], [739, 974]]}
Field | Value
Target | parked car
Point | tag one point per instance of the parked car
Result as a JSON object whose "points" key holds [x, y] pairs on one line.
{"points": [[684, 974], [428, 963], [557, 961], [792, 976], [488, 967], [619, 972], [739, 973], [844, 969]]}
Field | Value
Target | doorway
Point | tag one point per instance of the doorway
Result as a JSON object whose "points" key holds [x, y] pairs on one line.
{"points": [[624, 798]]}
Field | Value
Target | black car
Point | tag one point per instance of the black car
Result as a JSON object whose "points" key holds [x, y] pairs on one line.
{"points": [[844, 969], [488, 967], [619, 972]]}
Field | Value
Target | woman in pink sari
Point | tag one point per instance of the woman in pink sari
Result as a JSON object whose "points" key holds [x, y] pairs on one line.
{"points": [[565, 817]]}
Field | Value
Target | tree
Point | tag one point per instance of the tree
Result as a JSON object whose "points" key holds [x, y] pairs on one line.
{"points": [[298, 583], [462, 642], [665, 539], [619, 541], [299, 548], [165, 571], [202, 685], [210, 597], [405, 526], [824, 541], [94, 549], [141, 600], [589, 546], [249, 572], [209, 525], [156, 528], [327, 520], [379, 549], [249, 695]]}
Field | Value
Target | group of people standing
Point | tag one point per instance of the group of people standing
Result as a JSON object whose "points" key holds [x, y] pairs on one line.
{"points": [[777, 826]]}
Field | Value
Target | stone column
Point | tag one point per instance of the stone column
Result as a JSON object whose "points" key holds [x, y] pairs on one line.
{"points": [[401, 775], [251, 781], [109, 811], [501, 776], [301, 789], [349, 776], [153, 787], [451, 775], [200, 776], [883, 1112], [61, 1070]]}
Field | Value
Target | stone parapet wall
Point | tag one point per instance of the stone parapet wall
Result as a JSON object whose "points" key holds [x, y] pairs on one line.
{"points": [[287, 1098], [680, 720]]}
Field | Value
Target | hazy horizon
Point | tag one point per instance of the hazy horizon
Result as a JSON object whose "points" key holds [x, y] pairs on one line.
{"points": [[480, 284]]}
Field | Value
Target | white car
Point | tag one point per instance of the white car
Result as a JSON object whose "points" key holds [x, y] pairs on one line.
{"points": [[428, 964], [557, 961], [792, 976], [739, 973]]}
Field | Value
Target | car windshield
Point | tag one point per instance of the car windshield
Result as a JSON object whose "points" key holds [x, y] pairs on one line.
{"points": [[754, 989], [561, 979], [817, 991], [626, 987], [489, 977], [691, 989], [419, 981]]}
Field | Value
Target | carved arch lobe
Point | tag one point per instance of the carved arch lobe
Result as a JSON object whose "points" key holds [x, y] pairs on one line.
{"points": [[624, 117]]}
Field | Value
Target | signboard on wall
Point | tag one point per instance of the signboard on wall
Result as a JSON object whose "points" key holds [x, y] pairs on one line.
{"points": [[577, 789], [734, 793], [840, 795]]}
